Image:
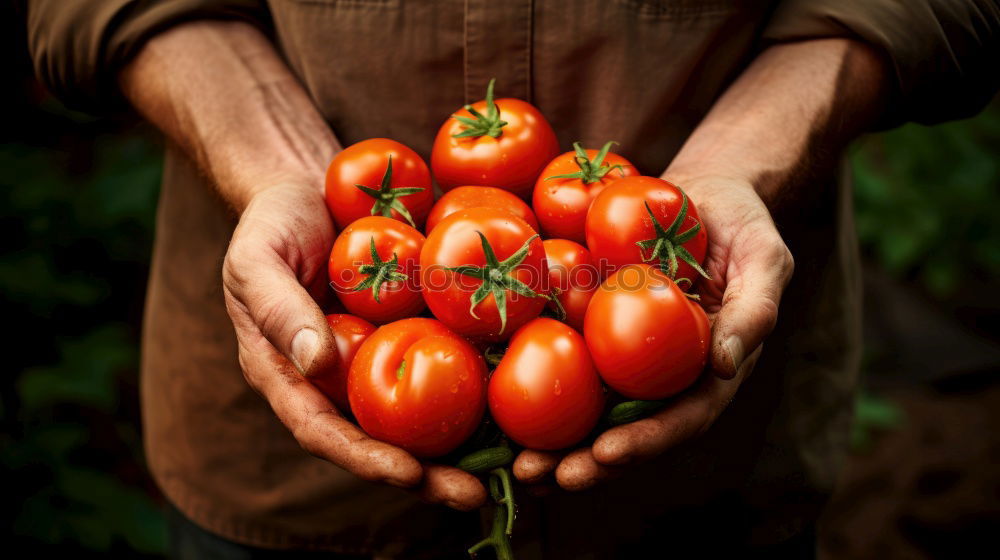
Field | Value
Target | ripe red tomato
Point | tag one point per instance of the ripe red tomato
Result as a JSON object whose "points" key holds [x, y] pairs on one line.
{"points": [[483, 273], [417, 385], [349, 332], [573, 278], [645, 219], [505, 144], [545, 394], [647, 339], [378, 177], [373, 269], [462, 198], [569, 183]]}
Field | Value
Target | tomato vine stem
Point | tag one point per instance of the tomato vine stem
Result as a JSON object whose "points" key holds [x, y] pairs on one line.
{"points": [[501, 490]]}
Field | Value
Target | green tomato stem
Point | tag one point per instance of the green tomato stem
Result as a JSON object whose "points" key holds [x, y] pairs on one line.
{"points": [[502, 492]]}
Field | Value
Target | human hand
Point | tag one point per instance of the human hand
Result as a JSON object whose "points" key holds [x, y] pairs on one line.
{"points": [[273, 275], [749, 266]]}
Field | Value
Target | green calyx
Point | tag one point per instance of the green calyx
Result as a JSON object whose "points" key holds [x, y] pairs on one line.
{"points": [[497, 278], [591, 170], [482, 125], [667, 247], [387, 198], [379, 272]]}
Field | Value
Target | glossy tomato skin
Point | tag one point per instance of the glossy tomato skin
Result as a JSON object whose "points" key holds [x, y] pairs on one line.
{"points": [[647, 339], [573, 278], [418, 385], [510, 162], [463, 198], [454, 242], [561, 204], [352, 249], [617, 219], [348, 332], [365, 163], [546, 394]]}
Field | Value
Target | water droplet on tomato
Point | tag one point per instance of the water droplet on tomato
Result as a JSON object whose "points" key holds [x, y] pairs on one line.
{"points": [[650, 339], [454, 388], [557, 390], [445, 427]]}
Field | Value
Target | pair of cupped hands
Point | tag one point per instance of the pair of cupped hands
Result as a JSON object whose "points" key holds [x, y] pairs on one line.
{"points": [[274, 279]]}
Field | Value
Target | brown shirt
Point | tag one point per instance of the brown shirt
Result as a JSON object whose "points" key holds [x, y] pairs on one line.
{"points": [[642, 72]]}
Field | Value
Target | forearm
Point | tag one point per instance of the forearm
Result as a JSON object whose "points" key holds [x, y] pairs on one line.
{"points": [[221, 92], [788, 115]]}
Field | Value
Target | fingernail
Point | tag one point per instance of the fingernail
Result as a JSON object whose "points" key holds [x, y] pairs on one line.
{"points": [[305, 344], [734, 346]]}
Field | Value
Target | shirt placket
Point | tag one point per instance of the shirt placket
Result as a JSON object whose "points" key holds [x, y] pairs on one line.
{"points": [[498, 45]]}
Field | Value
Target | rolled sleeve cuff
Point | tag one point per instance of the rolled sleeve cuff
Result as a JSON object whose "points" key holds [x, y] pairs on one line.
{"points": [[943, 52], [78, 47]]}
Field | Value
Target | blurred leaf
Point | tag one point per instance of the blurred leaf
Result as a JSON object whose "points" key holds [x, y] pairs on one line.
{"points": [[873, 414], [93, 509], [85, 373], [928, 201]]}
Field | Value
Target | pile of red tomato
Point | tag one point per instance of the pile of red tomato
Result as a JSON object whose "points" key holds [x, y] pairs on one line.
{"points": [[584, 289]]}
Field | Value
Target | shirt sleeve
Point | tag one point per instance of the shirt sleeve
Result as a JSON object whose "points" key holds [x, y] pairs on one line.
{"points": [[944, 53], [79, 46]]}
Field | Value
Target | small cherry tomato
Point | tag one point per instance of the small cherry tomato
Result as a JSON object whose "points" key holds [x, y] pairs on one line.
{"points": [[373, 269], [573, 278], [483, 273], [545, 394], [568, 185], [378, 177], [463, 198], [503, 143], [348, 332], [647, 339], [417, 385], [647, 220]]}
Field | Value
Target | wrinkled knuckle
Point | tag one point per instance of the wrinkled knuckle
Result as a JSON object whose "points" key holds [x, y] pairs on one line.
{"points": [[787, 261], [768, 314], [269, 312], [235, 262]]}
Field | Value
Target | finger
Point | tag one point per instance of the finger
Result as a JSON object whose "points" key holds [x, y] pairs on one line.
{"points": [[756, 278], [451, 487], [690, 416], [580, 471], [314, 421], [531, 466], [262, 286]]}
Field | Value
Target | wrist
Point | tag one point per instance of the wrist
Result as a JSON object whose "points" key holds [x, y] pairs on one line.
{"points": [[787, 118], [256, 129]]}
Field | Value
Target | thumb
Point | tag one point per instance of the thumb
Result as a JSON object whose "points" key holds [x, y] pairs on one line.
{"points": [[262, 282]]}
